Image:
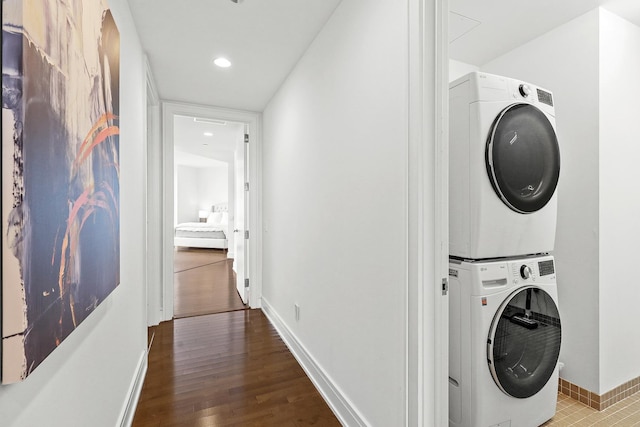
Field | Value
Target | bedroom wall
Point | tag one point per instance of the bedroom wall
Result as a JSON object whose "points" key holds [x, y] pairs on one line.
{"points": [[86, 381], [199, 188], [565, 61], [213, 185], [187, 194], [335, 220], [619, 200]]}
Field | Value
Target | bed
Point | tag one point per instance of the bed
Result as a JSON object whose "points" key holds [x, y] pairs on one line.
{"points": [[210, 234]]}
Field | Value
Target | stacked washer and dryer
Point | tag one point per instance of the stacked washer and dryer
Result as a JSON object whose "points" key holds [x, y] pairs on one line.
{"points": [[505, 333]]}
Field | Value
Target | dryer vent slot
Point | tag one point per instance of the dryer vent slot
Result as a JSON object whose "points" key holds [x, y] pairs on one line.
{"points": [[521, 320], [494, 283]]}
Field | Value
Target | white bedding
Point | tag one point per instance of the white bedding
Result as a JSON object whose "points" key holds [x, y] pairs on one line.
{"points": [[200, 230], [210, 234]]}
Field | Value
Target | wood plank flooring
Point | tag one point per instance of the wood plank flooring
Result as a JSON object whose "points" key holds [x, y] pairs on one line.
{"points": [[226, 369], [204, 283]]}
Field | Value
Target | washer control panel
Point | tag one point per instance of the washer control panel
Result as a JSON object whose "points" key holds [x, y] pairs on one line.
{"points": [[492, 276], [531, 271]]}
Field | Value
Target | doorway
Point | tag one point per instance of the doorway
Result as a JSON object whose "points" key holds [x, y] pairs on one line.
{"points": [[243, 228], [209, 204]]}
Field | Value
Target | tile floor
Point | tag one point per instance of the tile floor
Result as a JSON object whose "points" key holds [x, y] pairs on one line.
{"points": [[570, 412]]}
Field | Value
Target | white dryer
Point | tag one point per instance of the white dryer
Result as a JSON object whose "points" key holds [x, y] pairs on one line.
{"points": [[504, 342], [504, 168]]}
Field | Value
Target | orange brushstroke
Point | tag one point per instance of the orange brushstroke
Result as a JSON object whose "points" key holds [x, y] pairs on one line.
{"points": [[80, 201], [102, 120], [101, 137]]}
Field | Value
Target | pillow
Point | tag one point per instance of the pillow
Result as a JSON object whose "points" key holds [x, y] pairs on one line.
{"points": [[214, 218]]}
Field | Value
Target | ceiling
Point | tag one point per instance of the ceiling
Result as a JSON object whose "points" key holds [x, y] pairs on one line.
{"points": [[263, 39], [484, 30], [194, 148]]}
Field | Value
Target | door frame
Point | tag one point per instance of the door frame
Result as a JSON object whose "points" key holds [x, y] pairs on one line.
{"points": [[427, 381], [253, 121], [153, 214]]}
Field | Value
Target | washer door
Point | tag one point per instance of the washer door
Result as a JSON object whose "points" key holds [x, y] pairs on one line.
{"points": [[524, 342], [523, 158]]}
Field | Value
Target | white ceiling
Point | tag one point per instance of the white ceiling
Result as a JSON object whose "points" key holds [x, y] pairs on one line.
{"points": [[494, 27], [263, 39], [194, 148]]}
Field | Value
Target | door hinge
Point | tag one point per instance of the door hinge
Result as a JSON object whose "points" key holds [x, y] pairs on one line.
{"points": [[445, 286], [246, 138], [246, 186], [246, 234], [246, 282]]}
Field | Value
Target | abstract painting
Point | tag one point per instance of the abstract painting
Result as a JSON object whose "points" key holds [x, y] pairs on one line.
{"points": [[60, 173]]}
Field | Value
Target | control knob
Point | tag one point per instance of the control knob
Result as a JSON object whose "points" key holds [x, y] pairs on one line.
{"points": [[525, 271], [524, 90]]}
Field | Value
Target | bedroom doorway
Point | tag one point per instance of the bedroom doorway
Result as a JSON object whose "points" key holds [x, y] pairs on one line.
{"points": [[209, 183], [209, 203]]}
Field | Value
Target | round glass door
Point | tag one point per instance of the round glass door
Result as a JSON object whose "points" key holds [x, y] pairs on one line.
{"points": [[523, 158], [524, 342]]}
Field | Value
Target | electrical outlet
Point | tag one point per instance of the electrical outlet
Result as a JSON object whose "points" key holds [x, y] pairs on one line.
{"points": [[296, 308]]}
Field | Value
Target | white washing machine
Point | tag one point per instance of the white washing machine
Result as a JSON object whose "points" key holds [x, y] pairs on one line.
{"points": [[504, 167], [504, 342]]}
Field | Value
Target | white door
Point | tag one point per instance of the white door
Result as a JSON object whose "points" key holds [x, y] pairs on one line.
{"points": [[240, 218]]}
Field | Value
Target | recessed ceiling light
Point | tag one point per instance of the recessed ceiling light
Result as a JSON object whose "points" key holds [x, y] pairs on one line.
{"points": [[208, 134], [222, 62]]}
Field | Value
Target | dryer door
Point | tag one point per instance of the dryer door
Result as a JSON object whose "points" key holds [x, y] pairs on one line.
{"points": [[524, 342], [523, 158]]}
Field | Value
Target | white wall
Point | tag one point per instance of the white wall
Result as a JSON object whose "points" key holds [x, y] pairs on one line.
{"points": [[187, 194], [335, 190], [199, 188], [591, 65], [458, 69], [85, 381], [565, 61], [619, 200], [213, 186]]}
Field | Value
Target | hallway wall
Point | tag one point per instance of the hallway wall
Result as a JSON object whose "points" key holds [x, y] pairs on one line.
{"points": [[85, 381], [335, 196]]}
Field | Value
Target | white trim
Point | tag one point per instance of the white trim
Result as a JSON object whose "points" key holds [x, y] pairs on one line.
{"points": [[342, 407], [152, 92], [441, 199], [253, 121], [428, 251], [133, 394], [153, 216]]}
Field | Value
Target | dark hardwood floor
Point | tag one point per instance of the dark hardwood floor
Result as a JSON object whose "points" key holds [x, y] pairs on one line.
{"points": [[226, 369], [204, 283]]}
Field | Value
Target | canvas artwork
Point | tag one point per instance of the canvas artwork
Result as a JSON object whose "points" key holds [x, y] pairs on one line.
{"points": [[60, 173]]}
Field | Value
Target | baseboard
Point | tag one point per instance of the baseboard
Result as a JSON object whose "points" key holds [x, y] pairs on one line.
{"points": [[596, 401], [133, 394], [341, 406]]}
